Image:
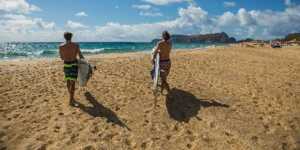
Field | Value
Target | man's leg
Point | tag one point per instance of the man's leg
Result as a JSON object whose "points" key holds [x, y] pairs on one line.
{"points": [[164, 75], [167, 86], [71, 90], [164, 83], [68, 86]]}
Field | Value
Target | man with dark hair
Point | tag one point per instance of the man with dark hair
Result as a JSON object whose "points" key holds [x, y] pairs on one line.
{"points": [[68, 53], [68, 36], [164, 48]]}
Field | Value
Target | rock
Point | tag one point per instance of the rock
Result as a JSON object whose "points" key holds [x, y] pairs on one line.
{"points": [[199, 38]]}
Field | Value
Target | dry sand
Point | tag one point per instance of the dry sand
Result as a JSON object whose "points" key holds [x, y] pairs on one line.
{"points": [[222, 99]]}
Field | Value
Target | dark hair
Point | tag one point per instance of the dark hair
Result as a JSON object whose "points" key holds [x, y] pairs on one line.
{"points": [[166, 35], [68, 36]]}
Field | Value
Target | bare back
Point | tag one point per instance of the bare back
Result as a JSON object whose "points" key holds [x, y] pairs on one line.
{"points": [[69, 51], [165, 49]]}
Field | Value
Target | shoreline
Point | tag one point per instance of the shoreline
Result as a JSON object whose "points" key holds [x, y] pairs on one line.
{"points": [[106, 55]]}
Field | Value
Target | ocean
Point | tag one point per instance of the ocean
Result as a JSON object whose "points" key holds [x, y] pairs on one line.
{"points": [[16, 50]]}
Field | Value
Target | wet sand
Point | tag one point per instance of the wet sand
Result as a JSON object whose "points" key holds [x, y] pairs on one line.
{"points": [[222, 98]]}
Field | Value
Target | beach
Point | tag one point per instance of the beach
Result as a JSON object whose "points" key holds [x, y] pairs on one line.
{"points": [[222, 98]]}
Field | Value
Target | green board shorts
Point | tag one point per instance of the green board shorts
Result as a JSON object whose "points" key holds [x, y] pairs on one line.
{"points": [[71, 70]]}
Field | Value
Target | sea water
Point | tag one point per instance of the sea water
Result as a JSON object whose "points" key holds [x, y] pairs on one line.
{"points": [[15, 50]]}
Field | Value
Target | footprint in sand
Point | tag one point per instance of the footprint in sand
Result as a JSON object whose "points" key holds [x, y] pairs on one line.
{"points": [[16, 115], [146, 122], [56, 128], [2, 145], [129, 143], [189, 132], [144, 145], [89, 147], [2, 136], [189, 146], [175, 128], [284, 146], [117, 108], [168, 137], [254, 139]]}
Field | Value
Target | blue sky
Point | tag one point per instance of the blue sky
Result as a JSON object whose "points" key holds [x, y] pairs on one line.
{"points": [[143, 20], [102, 11]]}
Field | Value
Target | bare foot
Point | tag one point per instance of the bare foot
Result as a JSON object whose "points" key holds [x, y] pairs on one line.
{"points": [[73, 103]]}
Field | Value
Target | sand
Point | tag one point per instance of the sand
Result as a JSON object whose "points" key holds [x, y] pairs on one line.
{"points": [[222, 98]]}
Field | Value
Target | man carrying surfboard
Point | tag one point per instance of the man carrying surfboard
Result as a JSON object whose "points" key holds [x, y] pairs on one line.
{"points": [[69, 52], [163, 48]]}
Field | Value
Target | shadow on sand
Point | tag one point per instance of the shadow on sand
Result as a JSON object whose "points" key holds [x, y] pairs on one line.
{"points": [[182, 105], [98, 110]]}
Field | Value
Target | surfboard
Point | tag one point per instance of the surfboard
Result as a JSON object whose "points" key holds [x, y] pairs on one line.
{"points": [[156, 72], [84, 70]]}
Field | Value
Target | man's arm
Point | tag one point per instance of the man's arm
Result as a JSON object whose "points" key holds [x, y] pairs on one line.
{"points": [[156, 50], [60, 53]]}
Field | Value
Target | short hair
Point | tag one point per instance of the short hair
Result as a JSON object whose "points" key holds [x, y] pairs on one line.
{"points": [[166, 35], [68, 36]]}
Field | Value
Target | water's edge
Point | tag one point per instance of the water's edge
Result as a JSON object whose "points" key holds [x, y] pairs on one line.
{"points": [[11, 51]]}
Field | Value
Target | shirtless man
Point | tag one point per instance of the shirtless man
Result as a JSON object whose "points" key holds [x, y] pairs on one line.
{"points": [[164, 47], [68, 53]]}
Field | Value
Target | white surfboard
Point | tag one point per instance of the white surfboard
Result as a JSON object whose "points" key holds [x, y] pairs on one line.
{"points": [[83, 72], [156, 72]]}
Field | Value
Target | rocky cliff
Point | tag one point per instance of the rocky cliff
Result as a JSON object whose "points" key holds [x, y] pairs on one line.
{"points": [[202, 38], [293, 36]]}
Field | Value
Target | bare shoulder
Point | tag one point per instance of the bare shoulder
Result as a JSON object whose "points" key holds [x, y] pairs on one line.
{"points": [[62, 45], [75, 45], [159, 43]]}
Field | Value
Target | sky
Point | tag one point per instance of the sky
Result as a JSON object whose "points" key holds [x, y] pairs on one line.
{"points": [[144, 20]]}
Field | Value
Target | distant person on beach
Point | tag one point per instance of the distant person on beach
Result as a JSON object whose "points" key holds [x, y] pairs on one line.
{"points": [[164, 47], [68, 53]]}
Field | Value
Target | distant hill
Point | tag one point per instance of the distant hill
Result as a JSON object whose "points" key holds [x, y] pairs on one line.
{"points": [[293, 36], [246, 40], [202, 38]]}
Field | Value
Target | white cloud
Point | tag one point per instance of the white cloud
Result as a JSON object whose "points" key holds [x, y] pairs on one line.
{"points": [[15, 25], [189, 19], [263, 24], [36, 36], [45, 25], [195, 20], [17, 6], [142, 7], [228, 19], [193, 14], [242, 18], [229, 4], [288, 2], [164, 2], [245, 18], [151, 14], [81, 14], [147, 10], [75, 25], [20, 23]]}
